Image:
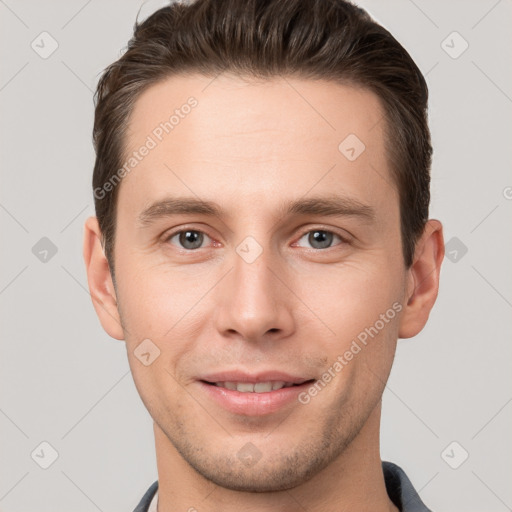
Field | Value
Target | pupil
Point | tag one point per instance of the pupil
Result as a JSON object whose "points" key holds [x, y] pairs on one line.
{"points": [[323, 238]]}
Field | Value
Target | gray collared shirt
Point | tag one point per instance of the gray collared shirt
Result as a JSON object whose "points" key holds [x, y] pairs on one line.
{"points": [[400, 491]]}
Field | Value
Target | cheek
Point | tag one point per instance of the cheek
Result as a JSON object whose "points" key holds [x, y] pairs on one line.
{"points": [[153, 307], [167, 306], [350, 297], [361, 306], [155, 298]]}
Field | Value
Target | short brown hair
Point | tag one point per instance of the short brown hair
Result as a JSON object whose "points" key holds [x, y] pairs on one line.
{"points": [[316, 39]]}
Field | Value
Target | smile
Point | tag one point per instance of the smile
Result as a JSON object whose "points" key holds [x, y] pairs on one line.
{"points": [[256, 387], [254, 398]]}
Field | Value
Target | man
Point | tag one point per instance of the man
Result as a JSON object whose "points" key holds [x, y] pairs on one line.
{"points": [[261, 242]]}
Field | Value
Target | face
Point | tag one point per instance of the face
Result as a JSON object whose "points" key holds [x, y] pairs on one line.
{"points": [[272, 285]]}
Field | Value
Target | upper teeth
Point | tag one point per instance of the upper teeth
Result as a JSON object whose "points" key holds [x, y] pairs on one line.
{"points": [[259, 387]]}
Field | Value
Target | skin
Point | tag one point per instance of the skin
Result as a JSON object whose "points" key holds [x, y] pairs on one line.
{"points": [[249, 146]]}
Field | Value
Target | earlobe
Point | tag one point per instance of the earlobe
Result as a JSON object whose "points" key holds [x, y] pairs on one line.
{"points": [[423, 280], [99, 279]]}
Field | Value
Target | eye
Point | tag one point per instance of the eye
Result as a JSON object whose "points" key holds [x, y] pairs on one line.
{"points": [[321, 238], [189, 239]]}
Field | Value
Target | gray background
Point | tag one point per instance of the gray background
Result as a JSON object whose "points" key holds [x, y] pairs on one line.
{"points": [[65, 382]]}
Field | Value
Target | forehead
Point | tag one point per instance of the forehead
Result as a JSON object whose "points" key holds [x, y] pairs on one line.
{"points": [[229, 104], [258, 138]]}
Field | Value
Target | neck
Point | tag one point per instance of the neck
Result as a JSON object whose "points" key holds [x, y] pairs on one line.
{"points": [[353, 481]]}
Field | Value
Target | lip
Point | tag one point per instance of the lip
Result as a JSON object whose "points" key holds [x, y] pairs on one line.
{"points": [[237, 376], [253, 404]]}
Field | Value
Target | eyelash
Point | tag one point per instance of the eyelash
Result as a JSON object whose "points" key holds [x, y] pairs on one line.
{"points": [[344, 239]]}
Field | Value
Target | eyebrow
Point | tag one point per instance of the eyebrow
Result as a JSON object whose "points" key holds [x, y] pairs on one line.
{"points": [[330, 206]]}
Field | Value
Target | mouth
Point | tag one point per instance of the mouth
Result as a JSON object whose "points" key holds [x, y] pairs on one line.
{"points": [[257, 387], [255, 396]]}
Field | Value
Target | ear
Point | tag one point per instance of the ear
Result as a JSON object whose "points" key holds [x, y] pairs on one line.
{"points": [[99, 279], [423, 280]]}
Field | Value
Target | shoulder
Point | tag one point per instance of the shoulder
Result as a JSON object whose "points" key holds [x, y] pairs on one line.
{"points": [[400, 489]]}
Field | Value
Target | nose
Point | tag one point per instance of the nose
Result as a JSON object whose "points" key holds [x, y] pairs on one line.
{"points": [[254, 301]]}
